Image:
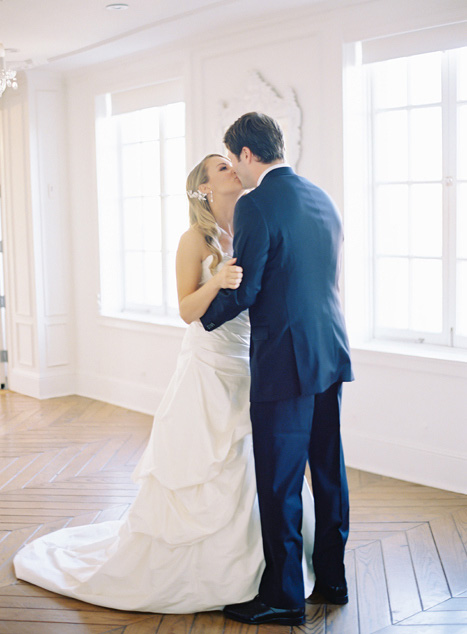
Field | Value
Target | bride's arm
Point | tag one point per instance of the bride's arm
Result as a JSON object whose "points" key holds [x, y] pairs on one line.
{"points": [[193, 299]]}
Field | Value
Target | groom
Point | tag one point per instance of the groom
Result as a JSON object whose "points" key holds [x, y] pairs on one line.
{"points": [[288, 238]]}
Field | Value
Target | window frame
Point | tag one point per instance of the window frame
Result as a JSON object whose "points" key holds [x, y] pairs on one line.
{"points": [[359, 198], [113, 301]]}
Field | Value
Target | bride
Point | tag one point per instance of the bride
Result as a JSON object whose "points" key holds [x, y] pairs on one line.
{"points": [[191, 540]]}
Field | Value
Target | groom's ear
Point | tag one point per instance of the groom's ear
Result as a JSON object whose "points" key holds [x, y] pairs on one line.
{"points": [[246, 155]]}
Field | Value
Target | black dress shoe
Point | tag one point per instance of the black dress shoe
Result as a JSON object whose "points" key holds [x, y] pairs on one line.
{"points": [[257, 612], [333, 594]]}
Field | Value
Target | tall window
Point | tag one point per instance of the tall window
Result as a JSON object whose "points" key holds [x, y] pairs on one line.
{"points": [[142, 202], [416, 162]]}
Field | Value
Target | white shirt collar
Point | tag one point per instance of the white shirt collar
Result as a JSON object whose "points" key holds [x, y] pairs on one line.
{"points": [[273, 167]]}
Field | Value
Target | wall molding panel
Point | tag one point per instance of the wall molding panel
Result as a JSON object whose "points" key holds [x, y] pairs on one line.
{"points": [[35, 222]]}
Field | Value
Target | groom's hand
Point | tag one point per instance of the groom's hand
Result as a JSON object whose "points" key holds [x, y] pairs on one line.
{"points": [[230, 275]]}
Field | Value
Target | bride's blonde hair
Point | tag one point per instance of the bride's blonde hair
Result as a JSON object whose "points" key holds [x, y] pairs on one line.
{"points": [[201, 216]]}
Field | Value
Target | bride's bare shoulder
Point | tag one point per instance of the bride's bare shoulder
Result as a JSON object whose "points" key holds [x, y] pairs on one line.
{"points": [[192, 241]]}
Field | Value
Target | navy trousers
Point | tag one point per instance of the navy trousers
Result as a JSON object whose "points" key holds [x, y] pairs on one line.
{"points": [[286, 434]]}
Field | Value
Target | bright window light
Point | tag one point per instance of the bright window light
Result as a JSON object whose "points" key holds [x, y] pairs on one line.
{"points": [[142, 208], [407, 194]]}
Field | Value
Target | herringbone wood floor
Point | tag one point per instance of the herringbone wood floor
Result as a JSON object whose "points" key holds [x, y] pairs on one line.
{"points": [[67, 461]]}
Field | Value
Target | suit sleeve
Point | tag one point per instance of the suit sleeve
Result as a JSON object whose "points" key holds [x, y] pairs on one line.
{"points": [[251, 247]]}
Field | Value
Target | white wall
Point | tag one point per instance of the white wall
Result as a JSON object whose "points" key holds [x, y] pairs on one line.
{"points": [[123, 362], [402, 417], [35, 224]]}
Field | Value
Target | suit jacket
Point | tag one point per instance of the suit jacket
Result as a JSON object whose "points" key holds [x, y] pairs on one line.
{"points": [[288, 239]]}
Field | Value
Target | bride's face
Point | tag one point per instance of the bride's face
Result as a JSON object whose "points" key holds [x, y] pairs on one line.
{"points": [[221, 177]]}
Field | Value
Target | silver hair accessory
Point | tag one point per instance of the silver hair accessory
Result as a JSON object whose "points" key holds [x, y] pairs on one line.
{"points": [[197, 194]]}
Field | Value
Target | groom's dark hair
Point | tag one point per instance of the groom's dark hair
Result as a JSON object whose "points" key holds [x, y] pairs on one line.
{"points": [[258, 132]]}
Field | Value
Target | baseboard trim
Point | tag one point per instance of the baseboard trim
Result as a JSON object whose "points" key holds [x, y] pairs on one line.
{"points": [[41, 387], [405, 462], [127, 394]]}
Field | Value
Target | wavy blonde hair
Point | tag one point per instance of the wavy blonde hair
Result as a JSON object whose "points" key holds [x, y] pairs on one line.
{"points": [[201, 216]]}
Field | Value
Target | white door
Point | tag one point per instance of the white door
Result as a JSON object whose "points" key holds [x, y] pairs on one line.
{"points": [[3, 351]]}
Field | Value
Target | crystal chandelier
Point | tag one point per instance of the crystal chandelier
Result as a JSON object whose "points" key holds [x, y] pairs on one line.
{"points": [[7, 77]]}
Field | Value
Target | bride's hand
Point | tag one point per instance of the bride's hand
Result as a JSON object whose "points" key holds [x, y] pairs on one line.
{"points": [[230, 275]]}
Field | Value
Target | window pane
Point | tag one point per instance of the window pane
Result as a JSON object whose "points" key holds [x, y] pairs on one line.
{"points": [[427, 295], [152, 224], [392, 220], [172, 297], [392, 293], [150, 168], [462, 74], [133, 228], [391, 146], [131, 170], [425, 78], [134, 278], [174, 120], [462, 221], [390, 84], [176, 220], [462, 142], [130, 127], [153, 287], [149, 122], [426, 237], [461, 324], [174, 166], [425, 144]]}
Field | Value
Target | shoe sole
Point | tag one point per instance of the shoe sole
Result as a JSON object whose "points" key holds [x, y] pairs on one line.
{"points": [[299, 620], [343, 601], [336, 600]]}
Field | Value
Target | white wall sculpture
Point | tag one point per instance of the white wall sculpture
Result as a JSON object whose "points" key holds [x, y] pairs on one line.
{"points": [[260, 96]]}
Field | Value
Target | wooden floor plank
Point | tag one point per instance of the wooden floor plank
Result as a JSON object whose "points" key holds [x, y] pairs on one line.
{"points": [[372, 592], [456, 603], [315, 622], [429, 572], [8, 548], [145, 626], [53, 601], [50, 527], [102, 457], [452, 552], [234, 627], [392, 526], [74, 467], [62, 458], [84, 617], [460, 518], [419, 515], [424, 629], [404, 598], [409, 492], [114, 513], [21, 588], [10, 627], [15, 468], [448, 617], [176, 624]]}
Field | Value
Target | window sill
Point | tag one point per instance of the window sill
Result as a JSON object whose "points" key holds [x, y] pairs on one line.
{"points": [[143, 323], [412, 356]]}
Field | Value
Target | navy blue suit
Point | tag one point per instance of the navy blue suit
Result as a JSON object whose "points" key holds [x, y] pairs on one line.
{"points": [[288, 239]]}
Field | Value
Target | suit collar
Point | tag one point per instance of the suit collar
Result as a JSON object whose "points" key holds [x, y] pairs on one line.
{"points": [[281, 169]]}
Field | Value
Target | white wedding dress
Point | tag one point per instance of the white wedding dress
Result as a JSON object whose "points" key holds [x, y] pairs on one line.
{"points": [[191, 540]]}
